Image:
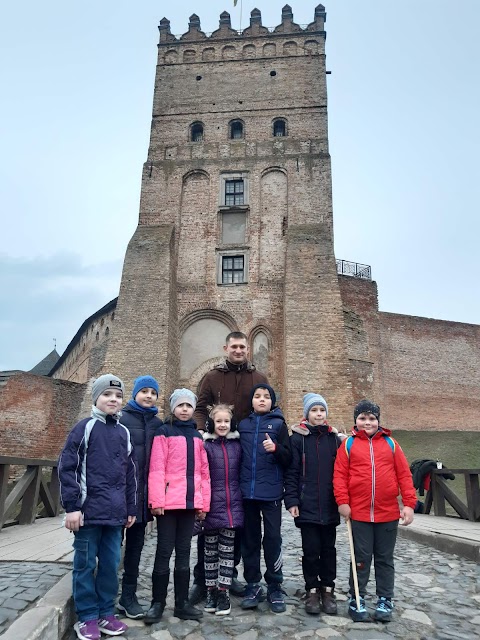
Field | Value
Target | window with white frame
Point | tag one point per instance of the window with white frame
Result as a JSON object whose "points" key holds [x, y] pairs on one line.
{"points": [[233, 190], [232, 267]]}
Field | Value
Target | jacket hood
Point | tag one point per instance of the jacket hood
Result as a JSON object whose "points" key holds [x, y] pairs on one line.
{"points": [[362, 434], [102, 416], [223, 367], [304, 428], [231, 435]]}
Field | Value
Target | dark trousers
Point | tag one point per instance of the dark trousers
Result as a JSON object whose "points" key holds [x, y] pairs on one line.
{"points": [[319, 560], [375, 539], [134, 540], [199, 568], [271, 513], [174, 531]]}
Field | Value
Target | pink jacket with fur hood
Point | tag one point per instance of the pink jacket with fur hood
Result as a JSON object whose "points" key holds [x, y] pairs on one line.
{"points": [[179, 477]]}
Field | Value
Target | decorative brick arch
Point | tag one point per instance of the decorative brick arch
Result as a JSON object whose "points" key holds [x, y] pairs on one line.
{"points": [[207, 314]]}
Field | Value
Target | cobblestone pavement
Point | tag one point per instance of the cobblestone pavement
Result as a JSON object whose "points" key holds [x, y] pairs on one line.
{"points": [[437, 598], [22, 584]]}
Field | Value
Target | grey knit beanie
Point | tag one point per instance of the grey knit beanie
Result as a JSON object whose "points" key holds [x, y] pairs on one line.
{"points": [[179, 396], [107, 381], [312, 399]]}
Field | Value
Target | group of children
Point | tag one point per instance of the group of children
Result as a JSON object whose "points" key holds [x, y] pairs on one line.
{"points": [[121, 467]]}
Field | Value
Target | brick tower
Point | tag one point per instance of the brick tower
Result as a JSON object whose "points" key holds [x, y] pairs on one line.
{"points": [[235, 228]]}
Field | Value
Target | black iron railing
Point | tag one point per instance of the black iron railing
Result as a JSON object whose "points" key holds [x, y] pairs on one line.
{"points": [[354, 269]]}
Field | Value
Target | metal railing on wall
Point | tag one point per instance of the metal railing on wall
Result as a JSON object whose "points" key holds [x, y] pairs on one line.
{"points": [[354, 269]]}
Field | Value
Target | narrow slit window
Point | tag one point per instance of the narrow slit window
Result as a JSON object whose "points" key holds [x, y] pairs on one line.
{"points": [[236, 130], [279, 128], [196, 132]]}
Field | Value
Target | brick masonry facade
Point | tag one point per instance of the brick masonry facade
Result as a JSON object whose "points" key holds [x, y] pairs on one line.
{"points": [[321, 331]]}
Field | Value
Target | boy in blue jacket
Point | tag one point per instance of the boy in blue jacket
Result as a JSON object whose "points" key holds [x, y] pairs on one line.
{"points": [[98, 483], [265, 454]]}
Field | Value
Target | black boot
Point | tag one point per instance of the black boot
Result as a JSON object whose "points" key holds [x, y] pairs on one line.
{"points": [[128, 602], [159, 593], [183, 609]]}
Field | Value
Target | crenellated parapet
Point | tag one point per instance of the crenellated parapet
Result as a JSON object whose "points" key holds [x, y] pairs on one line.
{"points": [[255, 29]]}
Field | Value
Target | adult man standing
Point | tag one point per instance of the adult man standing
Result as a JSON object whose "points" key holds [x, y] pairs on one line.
{"points": [[229, 383]]}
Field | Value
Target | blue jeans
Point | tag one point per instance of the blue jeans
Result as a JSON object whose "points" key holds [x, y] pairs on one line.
{"points": [[94, 595]]}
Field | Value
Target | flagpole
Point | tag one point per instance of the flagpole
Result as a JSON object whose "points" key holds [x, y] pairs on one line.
{"points": [[241, 3]]}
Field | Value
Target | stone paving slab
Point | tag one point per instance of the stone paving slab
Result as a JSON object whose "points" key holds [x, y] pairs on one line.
{"points": [[22, 584], [437, 598]]}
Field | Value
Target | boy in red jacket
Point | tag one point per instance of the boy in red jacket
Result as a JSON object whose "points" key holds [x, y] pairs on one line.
{"points": [[370, 471]]}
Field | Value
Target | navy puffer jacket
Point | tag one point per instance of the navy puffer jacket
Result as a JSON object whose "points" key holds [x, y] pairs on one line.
{"points": [[226, 505], [261, 475], [309, 479], [142, 426], [97, 471]]}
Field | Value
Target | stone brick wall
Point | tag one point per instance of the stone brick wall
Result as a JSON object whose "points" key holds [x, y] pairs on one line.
{"points": [[426, 373], [37, 414]]}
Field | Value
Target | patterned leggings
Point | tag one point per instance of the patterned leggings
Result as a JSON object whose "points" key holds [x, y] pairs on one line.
{"points": [[219, 544]]}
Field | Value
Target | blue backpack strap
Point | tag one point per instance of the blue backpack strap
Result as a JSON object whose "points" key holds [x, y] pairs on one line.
{"points": [[348, 445], [391, 443], [349, 441]]}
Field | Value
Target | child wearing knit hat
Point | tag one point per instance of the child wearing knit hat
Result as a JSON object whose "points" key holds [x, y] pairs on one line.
{"points": [[178, 488], [309, 499], [98, 480], [139, 415], [265, 455], [369, 471]]}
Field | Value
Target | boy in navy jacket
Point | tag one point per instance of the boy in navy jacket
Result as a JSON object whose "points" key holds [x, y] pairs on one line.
{"points": [[265, 454], [98, 482]]}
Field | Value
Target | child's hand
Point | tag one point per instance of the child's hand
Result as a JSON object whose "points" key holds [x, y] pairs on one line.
{"points": [[406, 515], [268, 444], [345, 511], [294, 512], [158, 511], [130, 521], [74, 520], [200, 514]]}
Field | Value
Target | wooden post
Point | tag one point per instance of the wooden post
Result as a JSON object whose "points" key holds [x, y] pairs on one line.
{"points": [[28, 511]]}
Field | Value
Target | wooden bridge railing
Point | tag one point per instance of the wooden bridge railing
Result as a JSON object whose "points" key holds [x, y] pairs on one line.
{"points": [[31, 489], [440, 493]]}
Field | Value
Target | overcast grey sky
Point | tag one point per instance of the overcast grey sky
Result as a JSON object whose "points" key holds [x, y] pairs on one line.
{"points": [[77, 86]]}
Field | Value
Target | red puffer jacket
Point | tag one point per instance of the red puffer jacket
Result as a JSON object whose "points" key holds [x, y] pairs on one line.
{"points": [[371, 475]]}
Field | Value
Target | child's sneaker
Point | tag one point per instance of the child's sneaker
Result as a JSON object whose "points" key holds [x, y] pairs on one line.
{"points": [[253, 596], [276, 598], [211, 602], [87, 630], [111, 626], [223, 603], [383, 612], [358, 614]]}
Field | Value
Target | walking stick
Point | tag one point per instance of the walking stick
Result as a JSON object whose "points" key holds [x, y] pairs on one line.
{"points": [[354, 564]]}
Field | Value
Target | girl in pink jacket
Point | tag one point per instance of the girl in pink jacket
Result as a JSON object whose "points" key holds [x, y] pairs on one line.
{"points": [[178, 488]]}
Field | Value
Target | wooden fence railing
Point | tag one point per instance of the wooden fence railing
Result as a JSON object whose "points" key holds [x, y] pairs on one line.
{"points": [[38, 484], [440, 493]]}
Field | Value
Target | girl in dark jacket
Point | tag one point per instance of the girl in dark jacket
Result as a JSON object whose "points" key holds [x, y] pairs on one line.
{"points": [[222, 444], [309, 499], [140, 417]]}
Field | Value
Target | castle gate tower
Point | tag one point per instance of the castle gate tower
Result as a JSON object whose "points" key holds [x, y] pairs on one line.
{"points": [[235, 228]]}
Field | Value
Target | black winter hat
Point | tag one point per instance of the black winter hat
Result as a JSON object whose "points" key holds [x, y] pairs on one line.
{"points": [[366, 406], [264, 385]]}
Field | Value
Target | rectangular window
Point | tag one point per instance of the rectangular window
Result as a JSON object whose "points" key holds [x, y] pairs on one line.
{"points": [[234, 192], [233, 269]]}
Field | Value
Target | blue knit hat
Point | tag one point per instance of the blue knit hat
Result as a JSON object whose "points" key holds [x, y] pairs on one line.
{"points": [[144, 382], [264, 385], [312, 399], [179, 396]]}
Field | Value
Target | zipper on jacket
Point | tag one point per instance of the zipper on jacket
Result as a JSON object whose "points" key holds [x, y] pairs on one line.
{"points": [[227, 488], [372, 460], [318, 478], [254, 459], [166, 487]]}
